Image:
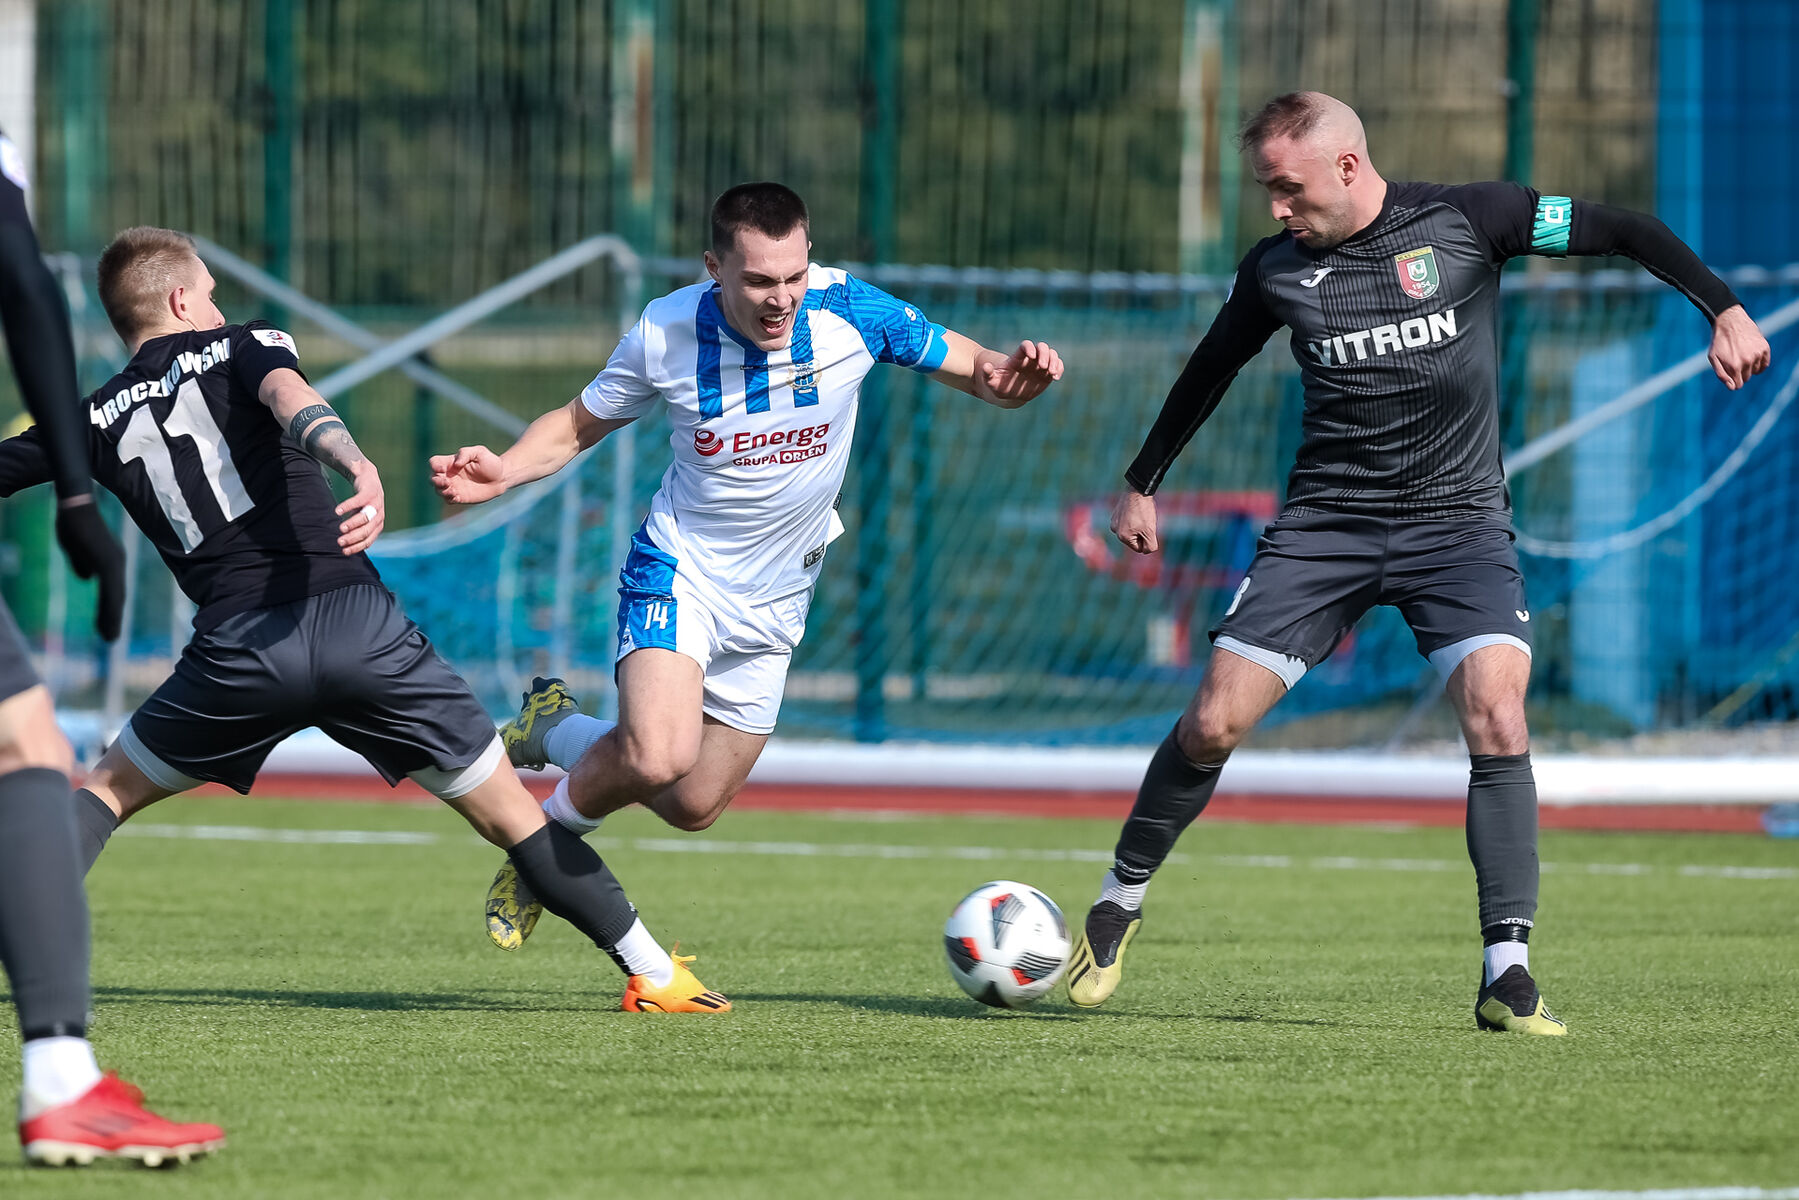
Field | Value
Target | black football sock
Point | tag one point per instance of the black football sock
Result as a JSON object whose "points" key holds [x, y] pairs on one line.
{"points": [[43, 910], [94, 823], [1502, 842], [568, 878], [1174, 792]]}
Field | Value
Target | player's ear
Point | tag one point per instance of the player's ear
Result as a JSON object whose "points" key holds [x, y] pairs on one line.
{"points": [[712, 266], [1348, 166]]}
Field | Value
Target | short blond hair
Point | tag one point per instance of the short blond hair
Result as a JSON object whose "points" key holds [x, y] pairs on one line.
{"points": [[1298, 115], [138, 271]]}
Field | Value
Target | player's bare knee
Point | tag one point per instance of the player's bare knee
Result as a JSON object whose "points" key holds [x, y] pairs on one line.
{"points": [[1207, 737], [1494, 726], [655, 767]]}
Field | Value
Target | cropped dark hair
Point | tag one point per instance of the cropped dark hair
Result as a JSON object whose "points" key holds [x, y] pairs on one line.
{"points": [[773, 209], [1292, 115]]}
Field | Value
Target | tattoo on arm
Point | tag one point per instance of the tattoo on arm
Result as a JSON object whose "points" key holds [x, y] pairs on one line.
{"points": [[328, 440], [305, 417]]}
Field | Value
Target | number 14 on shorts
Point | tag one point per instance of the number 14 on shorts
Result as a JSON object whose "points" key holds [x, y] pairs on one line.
{"points": [[649, 621]]}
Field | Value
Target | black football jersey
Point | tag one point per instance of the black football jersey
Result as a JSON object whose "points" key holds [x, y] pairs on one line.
{"points": [[243, 517], [1395, 331]]}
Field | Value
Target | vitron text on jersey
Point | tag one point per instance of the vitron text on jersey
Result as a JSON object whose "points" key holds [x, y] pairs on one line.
{"points": [[1384, 339], [189, 362]]}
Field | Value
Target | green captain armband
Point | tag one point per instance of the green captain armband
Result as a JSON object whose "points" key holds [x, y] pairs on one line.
{"points": [[1549, 233]]}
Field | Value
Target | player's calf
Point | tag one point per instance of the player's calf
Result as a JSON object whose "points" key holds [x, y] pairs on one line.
{"points": [[569, 879]]}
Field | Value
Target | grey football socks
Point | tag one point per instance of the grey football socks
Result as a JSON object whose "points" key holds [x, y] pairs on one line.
{"points": [[94, 824], [1174, 792], [43, 909], [1502, 842], [566, 876]]}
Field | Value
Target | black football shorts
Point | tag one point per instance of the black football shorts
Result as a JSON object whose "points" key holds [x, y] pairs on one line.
{"points": [[348, 661], [1456, 582]]}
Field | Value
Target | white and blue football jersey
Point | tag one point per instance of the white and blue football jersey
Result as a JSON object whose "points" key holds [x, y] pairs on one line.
{"points": [[761, 438]]}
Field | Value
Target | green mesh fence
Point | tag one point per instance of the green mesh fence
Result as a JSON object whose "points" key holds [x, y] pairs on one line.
{"points": [[978, 595], [393, 159]]}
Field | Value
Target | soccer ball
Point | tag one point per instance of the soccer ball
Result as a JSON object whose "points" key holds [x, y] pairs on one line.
{"points": [[1007, 944]]}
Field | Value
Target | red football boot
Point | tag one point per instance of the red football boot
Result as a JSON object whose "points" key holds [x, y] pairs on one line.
{"points": [[109, 1120]]}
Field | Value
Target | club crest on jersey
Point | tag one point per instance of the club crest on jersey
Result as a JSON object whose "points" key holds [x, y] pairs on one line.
{"points": [[805, 380], [1417, 272], [706, 443]]}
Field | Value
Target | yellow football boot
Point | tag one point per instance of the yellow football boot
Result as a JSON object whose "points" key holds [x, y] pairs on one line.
{"points": [[546, 703], [683, 994], [1512, 1004], [512, 910], [1097, 963]]}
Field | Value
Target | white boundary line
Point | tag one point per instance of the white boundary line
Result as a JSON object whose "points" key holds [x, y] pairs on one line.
{"points": [[876, 850], [1562, 779], [1706, 1193]]}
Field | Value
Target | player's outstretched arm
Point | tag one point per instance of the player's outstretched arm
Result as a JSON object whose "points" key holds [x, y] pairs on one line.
{"points": [[317, 429], [1005, 381], [1738, 349], [475, 474]]}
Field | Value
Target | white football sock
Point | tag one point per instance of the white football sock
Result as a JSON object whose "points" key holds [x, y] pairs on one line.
{"points": [[560, 809], [644, 956], [57, 1070], [1501, 955], [1128, 896], [565, 744]]}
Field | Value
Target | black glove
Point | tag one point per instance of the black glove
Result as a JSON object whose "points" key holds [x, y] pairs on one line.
{"points": [[93, 551]]}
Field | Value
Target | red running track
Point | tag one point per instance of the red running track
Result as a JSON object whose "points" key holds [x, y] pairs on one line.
{"points": [[1112, 806]]}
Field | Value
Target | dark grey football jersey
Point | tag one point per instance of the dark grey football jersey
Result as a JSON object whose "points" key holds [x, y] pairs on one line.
{"points": [[1396, 334]]}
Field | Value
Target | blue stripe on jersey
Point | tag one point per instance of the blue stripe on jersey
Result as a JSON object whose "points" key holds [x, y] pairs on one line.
{"points": [[755, 380], [712, 394], [755, 363], [799, 349]]}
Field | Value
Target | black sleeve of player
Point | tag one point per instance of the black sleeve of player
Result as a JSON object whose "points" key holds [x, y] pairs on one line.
{"points": [[1502, 215], [23, 462], [1599, 229], [252, 359], [1241, 328], [43, 350]]}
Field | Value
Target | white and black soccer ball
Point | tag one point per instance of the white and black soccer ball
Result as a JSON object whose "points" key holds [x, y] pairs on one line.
{"points": [[1007, 944]]}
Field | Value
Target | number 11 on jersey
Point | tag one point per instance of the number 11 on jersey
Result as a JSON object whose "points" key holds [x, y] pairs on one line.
{"points": [[144, 442]]}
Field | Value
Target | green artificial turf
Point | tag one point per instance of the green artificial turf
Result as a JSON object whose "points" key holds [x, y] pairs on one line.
{"points": [[1296, 1019]]}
